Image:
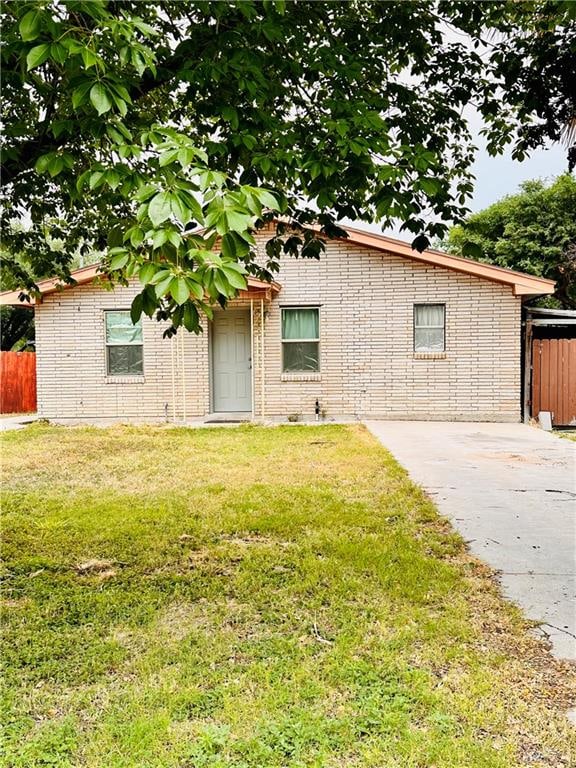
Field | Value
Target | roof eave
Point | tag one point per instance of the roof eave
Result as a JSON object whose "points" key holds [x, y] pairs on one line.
{"points": [[88, 274]]}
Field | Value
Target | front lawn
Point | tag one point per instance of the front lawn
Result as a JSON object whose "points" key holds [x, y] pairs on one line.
{"points": [[254, 598]]}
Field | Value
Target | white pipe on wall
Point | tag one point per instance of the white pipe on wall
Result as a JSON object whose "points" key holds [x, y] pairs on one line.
{"points": [[173, 379], [252, 357], [183, 364], [262, 382]]}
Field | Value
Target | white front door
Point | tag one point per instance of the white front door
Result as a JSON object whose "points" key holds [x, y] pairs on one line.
{"points": [[231, 362]]}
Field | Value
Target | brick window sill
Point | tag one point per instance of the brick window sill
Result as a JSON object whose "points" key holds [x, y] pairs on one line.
{"points": [[301, 377], [430, 356], [124, 380]]}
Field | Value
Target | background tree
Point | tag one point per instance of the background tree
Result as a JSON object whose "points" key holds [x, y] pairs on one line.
{"points": [[533, 231], [164, 129], [16, 328]]}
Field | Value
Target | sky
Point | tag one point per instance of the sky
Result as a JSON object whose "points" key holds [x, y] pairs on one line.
{"points": [[500, 176], [497, 177]]}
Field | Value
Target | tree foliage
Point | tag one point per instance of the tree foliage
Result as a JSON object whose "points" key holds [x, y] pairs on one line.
{"points": [[168, 131], [533, 231], [16, 328]]}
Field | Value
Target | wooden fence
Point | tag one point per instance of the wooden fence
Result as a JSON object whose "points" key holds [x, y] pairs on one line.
{"points": [[17, 382], [554, 379]]}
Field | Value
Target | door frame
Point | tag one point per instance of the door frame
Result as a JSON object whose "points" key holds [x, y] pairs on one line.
{"points": [[236, 310]]}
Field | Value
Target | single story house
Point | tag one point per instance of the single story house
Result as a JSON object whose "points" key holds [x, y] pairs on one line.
{"points": [[372, 329]]}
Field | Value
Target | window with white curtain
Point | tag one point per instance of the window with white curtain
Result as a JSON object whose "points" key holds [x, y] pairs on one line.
{"points": [[429, 327], [124, 349], [300, 339]]}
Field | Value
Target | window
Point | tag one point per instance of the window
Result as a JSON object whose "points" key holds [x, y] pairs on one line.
{"points": [[123, 345], [300, 339], [429, 325]]}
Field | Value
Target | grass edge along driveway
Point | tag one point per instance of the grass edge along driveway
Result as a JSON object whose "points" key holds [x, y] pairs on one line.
{"points": [[254, 597]]}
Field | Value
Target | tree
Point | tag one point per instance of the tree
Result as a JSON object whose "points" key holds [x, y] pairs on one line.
{"points": [[169, 131], [16, 328], [533, 231]]}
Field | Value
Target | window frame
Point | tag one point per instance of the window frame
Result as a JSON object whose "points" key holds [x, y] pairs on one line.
{"points": [[108, 344], [429, 351], [284, 341]]}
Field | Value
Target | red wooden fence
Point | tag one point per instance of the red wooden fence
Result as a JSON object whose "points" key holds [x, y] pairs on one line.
{"points": [[554, 379], [17, 382]]}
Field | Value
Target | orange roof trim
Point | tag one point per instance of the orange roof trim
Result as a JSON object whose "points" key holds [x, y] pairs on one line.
{"points": [[521, 283], [89, 274]]}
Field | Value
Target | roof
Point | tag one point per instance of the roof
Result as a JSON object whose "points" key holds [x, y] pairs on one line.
{"points": [[84, 275], [520, 283], [553, 317]]}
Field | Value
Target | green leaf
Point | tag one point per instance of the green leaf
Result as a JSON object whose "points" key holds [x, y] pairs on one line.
{"points": [[179, 290], [100, 99], [55, 165], [175, 238], [235, 279], [192, 205], [136, 308], [472, 250], [112, 178], [163, 286], [81, 181], [179, 208], [115, 238], [231, 116], [267, 199], [96, 179], [166, 158], [30, 26], [228, 246], [147, 272], [149, 301], [58, 53], [159, 237], [429, 186], [420, 243], [145, 193], [136, 237], [185, 156], [119, 259], [79, 95], [237, 221], [196, 289], [221, 283], [37, 56], [159, 208], [43, 162], [59, 127], [89, 58], [163, 274], [190, 318]]}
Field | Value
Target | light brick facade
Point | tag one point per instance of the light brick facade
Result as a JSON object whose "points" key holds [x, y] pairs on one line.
{"points": [[368, 367]]}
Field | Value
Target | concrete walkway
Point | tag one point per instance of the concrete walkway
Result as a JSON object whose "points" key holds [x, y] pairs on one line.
{"points": [[510, 490], [16, 421]]}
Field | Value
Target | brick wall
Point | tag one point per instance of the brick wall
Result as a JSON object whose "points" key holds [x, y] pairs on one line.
{"points": [[368, 367]]}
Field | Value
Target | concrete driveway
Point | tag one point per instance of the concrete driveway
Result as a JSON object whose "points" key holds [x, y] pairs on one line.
{"points": [[510, 490], [16, 421]]}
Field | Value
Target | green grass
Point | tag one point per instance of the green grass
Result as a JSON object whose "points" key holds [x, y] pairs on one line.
{"points": [[254, 598], [569, 435]]}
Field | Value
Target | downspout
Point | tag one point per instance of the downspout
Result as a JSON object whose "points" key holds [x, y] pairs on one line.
{"points": [[183, 364], [262, 382], [252, 372], [173, 380]]}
